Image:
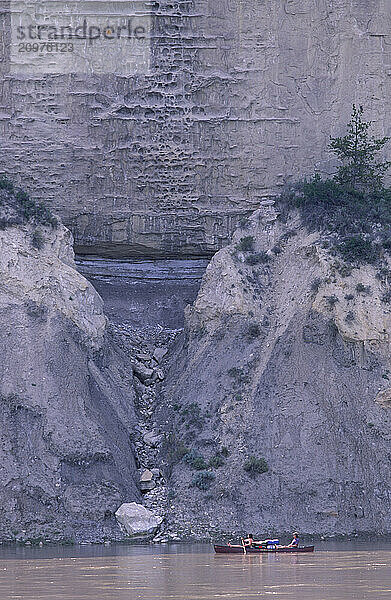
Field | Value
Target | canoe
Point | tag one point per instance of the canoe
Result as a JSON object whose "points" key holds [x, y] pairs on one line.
{"points": [[231, 550]]}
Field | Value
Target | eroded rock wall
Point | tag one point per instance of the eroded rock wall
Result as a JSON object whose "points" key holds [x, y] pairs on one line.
{"points": [[66, 398], [287, 361], [241, 97]]}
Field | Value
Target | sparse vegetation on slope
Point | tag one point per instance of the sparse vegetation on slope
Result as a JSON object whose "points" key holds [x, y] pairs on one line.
{"points": [[17, 208], [255, 466], [353, 209], [203, 480]]}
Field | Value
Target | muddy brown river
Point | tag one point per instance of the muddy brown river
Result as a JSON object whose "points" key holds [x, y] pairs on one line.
{"points": [[334, 572]]}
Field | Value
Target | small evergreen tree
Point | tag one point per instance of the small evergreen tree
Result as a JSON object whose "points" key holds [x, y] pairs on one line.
{"points": [[358, 152]]}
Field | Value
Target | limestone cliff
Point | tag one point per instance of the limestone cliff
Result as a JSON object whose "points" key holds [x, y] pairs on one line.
{"points": [[241, 96], [66, 397], [279, 392]]}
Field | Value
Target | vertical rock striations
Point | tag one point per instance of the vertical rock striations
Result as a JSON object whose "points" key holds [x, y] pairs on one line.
{"points": [[241, 97]]}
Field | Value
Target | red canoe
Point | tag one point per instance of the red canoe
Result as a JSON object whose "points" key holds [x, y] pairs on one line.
{"points": [[233, 550]]}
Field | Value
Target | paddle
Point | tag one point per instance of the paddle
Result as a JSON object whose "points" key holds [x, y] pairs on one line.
{"points": [[244, 547]]}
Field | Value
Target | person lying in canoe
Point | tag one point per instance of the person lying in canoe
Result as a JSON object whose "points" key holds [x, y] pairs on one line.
{"points": [[269, 543], [247, 543]]}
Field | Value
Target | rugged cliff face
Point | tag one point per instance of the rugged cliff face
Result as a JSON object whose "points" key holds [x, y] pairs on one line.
{"points": [[239, 98], [66, 396], [279, 392], [273, 407]]}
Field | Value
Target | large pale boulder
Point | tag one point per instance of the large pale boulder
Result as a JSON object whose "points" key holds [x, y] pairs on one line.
{"points": [[137, 520]]}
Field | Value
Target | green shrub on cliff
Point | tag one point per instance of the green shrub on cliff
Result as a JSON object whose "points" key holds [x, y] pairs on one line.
{"points": [[256, 259], [216, 461], [352, 209], [239, 375], [363, 289], [255, 466], [253, 331], [203, 480], [358, 248], [174, 449], [195, 460], [192, 415], [37, 240], [17, 208], [5, 184], [246, 244]]}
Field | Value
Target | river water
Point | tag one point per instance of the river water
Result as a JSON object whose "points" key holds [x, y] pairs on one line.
{"points": [[334, 572]]}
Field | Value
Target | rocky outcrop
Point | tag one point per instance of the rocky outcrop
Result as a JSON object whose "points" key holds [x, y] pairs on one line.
{"points": [[66, 398], [47, 278], [279, 392], [240, 98]]}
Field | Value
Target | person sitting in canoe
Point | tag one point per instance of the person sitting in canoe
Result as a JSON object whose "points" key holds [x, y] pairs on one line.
{"points": [[295, 542], [247, 543]]}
